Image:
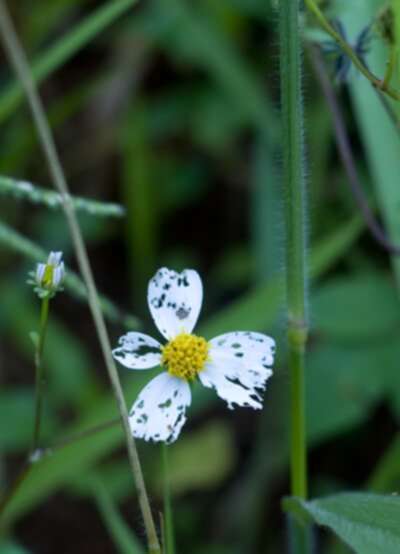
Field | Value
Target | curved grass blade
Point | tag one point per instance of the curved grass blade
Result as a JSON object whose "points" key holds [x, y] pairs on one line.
{"points": [[64, 49]]}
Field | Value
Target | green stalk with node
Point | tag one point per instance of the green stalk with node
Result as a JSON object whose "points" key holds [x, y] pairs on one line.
{"points": [[294, 183]]}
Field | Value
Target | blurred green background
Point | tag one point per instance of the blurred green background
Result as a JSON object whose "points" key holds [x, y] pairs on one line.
{"points": [[172, 109]]}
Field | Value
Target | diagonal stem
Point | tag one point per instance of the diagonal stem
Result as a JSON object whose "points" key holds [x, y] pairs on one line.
{"points": [[346, 154], [379, 84], [18, 60]]}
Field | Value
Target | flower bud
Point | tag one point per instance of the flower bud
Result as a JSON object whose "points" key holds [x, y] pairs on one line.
{"points": [[49, 276]]}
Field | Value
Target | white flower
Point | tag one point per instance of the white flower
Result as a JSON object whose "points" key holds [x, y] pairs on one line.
{"points": [[237, 365]]}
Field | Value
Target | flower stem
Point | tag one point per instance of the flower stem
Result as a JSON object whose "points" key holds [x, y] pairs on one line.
{"points": [[169, 539], [294, 185], [20, 64], [39, 369]]}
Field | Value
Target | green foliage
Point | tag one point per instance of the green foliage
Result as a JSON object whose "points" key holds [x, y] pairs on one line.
{"points": [[366, 522], [64, 49], [190, 470], [170, 110], [362, 307]]}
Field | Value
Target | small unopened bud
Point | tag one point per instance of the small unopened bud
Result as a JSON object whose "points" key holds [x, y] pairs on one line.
{"points": [[48, 277]]}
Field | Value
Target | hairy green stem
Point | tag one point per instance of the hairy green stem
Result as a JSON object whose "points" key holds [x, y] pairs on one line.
{"points": [[294, 185], [53, 200], [169, 539], [18, 60], [39, 372]]}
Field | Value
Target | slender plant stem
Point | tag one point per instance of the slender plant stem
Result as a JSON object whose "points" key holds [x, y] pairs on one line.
{"points": [[380, 84], [346, 153], [18, 60], [169, 539], [39, 372], [81, 435], [294, 185]]}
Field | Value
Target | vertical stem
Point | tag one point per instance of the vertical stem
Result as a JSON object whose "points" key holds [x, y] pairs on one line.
{"points": [[20, 64], [169, 546], [39, 369], [295, 203]]}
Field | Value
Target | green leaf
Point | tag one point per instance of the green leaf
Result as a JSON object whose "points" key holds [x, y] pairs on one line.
{"points": [[356, 307], [189, 469], [368, 523], [379, 135], [74, 459], [344, 383], [16, 409], [124, 539]]}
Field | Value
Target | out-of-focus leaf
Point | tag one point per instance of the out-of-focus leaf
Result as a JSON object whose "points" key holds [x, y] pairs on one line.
{"points": [[368, 523], [378, 133], [200, 460], [65, 356], [124, 538], [234, 268], [54, 57], [16, 419], [64, 464], [344, 383], [386, 475], [356, 307], [192, 35], [246, 313], [12, 548]]}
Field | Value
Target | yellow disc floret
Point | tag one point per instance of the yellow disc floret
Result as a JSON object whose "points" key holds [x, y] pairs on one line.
{"points": [[185, 355]]}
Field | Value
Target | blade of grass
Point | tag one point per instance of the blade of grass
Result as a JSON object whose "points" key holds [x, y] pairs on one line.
{"points": [[140, 198], [378, 134], [220, 58], [64, 49]]}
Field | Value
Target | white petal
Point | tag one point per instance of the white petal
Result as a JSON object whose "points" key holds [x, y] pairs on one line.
{"points": [[40, 269], [138, 351], [247, 344], [175, 300], [159, 411], [54, 258], [239, 367], [58, 274]]}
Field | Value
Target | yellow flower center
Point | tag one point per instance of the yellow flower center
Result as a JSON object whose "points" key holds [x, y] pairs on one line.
{"points": [[185, 355]]}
